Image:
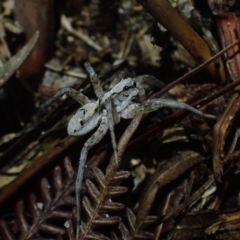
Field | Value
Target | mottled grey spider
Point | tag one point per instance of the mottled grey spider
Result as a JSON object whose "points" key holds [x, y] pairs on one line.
{"points": [[123, 100]]}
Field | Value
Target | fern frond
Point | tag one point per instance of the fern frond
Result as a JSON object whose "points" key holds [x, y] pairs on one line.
{"points": [[41, 217]]}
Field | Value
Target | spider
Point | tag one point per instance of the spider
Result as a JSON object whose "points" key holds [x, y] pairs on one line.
{"points": [[123, 100]]}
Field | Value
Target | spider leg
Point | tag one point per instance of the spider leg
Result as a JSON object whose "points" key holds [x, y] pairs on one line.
{"points": [[109, 108], [156, 103], [95, 80], [148, 80], [107, 103], [94, 139], [146, 83], [76, 95]]}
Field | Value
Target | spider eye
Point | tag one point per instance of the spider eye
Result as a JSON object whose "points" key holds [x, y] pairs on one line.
{"points": [[134, 99], [134, 84], [126, 88], [81, 122]]}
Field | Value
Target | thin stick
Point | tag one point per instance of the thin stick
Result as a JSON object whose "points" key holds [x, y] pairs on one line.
{"points": [[193, 71], [124, 140]]}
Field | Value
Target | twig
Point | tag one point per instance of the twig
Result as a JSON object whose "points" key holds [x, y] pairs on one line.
{"points": [[82, 36]]}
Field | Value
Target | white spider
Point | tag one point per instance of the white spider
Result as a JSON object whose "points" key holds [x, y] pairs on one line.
{"points": [[122, 101]]}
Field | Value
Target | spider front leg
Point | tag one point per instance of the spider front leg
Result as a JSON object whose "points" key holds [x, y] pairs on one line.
{"points": [[94, 139], [76, 95], [94, 80], [146, 83], [156, 103], [107, 103], [109, 109]]}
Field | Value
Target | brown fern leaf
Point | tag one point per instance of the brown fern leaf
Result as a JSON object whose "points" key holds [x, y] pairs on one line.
{"points": [[136, 234], [43, 217], [99, 206]]}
